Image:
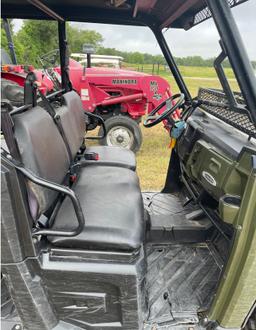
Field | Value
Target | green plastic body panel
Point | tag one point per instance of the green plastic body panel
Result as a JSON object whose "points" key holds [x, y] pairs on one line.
{"points": [[237, 289], [214, 172]]}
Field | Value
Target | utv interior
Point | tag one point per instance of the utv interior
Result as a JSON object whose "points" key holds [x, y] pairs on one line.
{"points": [[82, 246]]}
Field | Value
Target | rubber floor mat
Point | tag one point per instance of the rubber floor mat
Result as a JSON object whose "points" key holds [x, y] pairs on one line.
{"points": [[181, 280], [159, 203]]}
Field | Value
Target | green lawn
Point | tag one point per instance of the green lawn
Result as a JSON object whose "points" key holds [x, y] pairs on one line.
{"points": [[186, 71], [153, 157]]}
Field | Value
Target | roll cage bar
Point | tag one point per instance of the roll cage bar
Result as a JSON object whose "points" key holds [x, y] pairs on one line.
{"points": [[231, 42]]}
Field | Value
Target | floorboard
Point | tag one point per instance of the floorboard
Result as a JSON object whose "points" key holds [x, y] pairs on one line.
{"points": [[181, 278]]}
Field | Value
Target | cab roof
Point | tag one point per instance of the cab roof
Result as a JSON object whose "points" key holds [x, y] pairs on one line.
{"points": [[165, 14]]}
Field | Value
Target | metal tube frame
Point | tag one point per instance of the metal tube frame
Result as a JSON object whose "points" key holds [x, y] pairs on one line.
{"points": [[46, 10], [9, 40], [64, 59], [63, 190], [30, 105], [223, 79], [225, 23], [236, 52], [171, 63], [101, 122], [53, 186]]}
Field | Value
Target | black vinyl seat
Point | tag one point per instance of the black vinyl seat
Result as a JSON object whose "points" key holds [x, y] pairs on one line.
{"points": [[112, 205], [112, 156], [73, 121], [110, 196]]}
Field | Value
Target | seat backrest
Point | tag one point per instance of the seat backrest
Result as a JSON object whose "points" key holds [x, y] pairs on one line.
{"points": [[43, 151], [72, 119]]}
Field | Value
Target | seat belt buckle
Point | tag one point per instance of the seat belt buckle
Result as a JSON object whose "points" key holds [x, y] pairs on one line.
{"points": [[73, 178], [73, 171], [91, 156]]}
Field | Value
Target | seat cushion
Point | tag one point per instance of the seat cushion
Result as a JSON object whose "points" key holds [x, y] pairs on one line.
{"points": [[113, 156], [111, 200]]}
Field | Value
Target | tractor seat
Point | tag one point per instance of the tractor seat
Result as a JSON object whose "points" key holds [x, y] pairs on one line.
{"points": [[73, 122], [110, 196]]}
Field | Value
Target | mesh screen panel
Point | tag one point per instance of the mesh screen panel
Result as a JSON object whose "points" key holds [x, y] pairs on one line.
{"points": [[220, 109], [205, 13]]}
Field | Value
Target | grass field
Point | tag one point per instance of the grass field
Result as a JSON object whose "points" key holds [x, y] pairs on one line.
{"points": [[186, 71], [153, 157]]}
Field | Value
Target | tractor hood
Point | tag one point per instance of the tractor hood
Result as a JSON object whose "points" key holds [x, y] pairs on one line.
{"points": [[102, 71], [113, 77], [100, 83], [114, 72]]}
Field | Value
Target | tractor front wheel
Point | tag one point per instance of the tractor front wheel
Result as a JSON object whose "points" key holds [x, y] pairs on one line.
{"points": [[122, 132]]}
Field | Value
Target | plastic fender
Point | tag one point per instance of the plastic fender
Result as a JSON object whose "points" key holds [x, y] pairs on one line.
{"points": [[17, 78]]}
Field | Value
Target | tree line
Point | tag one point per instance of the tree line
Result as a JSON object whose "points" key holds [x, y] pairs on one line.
{"points": [[36, 38]]}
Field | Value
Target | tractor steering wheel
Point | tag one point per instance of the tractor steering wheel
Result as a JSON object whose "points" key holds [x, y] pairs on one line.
{"points": [[152, 119], [49, 58]]}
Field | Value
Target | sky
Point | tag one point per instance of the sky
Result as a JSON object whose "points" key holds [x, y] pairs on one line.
{"points": [[201, 40]]}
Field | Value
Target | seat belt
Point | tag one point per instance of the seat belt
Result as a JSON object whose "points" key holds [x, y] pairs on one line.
{"points": [[7, 130], [56, 118]]}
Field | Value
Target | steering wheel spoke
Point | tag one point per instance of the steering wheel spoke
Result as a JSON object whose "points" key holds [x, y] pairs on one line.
{"points": [[152, 119]]}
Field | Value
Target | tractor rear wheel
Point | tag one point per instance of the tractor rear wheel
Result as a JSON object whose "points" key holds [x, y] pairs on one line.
{"points": [[122, 132]]}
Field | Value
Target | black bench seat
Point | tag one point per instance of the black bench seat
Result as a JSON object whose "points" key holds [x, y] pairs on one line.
{"points": [[110, 196]]}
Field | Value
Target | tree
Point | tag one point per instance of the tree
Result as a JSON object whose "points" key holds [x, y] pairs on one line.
{"points": [[4, 42], [135, 57], [78, 37], [36, 38]]}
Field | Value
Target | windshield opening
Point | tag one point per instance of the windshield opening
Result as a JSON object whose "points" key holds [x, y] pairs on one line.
{"points": [[196, 49]]}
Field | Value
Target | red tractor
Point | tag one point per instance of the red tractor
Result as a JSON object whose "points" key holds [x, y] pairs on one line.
{"points": [[121, 97]]}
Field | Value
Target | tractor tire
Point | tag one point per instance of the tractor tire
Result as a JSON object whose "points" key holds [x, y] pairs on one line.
{"points": [[123, 132], [12, 92]]}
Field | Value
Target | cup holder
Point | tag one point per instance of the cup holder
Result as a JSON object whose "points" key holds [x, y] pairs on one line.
{"points": [[229, 206]]}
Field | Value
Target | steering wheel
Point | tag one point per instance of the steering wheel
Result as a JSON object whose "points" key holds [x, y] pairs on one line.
{"points": [[49, 58], [48, 62], [152, 119]]}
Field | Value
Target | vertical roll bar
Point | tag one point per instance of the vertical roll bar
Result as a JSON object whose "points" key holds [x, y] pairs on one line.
{"points": [[64, 59], [235, 49], [9, 39], [171, 63]]}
